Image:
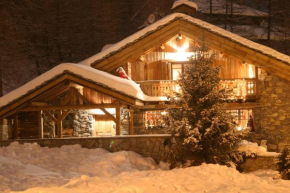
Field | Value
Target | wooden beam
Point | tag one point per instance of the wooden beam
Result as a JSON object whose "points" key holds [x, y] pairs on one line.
{"points": [[65, 114], [12, 112], [59, 123], [40, 125], [37, 104], [118, 120], [92, 106], [109, 115], [66, 99], [50, 115], [131, 126], [83, 98], [242, 105], [32, 95], [72, 94], [16, 126], [257, 82]]}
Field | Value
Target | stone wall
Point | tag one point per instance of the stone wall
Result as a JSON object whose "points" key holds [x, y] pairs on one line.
{"points": [[272, 118], [258, 163], [145, 145], [82, 123]]}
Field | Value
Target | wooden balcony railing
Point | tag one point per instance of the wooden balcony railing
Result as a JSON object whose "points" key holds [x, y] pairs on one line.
{"points": [[159, 87], [242, 88]]}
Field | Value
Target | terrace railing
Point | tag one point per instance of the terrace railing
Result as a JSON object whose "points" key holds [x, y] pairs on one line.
{"points": [[243, 89]]}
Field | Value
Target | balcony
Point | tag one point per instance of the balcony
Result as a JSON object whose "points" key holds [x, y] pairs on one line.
{"points": [[243, 89], [159, 87]]}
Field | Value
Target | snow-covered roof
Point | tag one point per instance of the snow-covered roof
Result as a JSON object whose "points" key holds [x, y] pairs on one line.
{"points": [[173, 17], [184, 2], [219, 7], [107, 46], [124, 86]]}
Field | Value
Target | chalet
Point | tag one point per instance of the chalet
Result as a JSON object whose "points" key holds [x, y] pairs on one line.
{"points": [[88, 99]]}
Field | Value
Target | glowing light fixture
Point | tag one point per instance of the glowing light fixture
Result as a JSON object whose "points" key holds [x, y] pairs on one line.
{"points": [[163, 113], [142, 58], [180, 36], [180, 54]]}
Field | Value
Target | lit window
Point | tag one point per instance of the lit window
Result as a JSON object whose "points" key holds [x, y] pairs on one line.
{"points": [[241, 117], [176, 71]]}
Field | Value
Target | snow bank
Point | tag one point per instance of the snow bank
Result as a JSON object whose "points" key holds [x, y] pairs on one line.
{"points": [[116, 83], [30, 168], [252, 148], [29, 165], [202, 179]]}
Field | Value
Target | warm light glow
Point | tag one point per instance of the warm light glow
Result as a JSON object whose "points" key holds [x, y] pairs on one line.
{"points": [[180, 49], [239, 128], [180, 54], [251, 72], [100, 112], [163, 113], [142, 58]]}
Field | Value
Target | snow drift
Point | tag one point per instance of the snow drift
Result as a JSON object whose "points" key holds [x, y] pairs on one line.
{"points": [[30, 168]]}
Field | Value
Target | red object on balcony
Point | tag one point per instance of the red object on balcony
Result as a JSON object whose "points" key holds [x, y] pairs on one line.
{"points": [[122, 73]]}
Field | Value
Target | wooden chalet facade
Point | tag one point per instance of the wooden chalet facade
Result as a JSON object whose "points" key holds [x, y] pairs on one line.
{"points": [[77, 106]]}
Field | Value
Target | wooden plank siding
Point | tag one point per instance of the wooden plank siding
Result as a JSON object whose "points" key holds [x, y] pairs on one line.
{"points": [[27, 125], [95, 97]]}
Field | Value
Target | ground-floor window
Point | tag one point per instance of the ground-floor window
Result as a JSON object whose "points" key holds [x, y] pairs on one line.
{"points": [[154, 119], [243, 118]]}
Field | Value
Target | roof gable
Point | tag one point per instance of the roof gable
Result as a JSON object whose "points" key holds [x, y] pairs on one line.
{"points": [[52, 83], [166, 28]]}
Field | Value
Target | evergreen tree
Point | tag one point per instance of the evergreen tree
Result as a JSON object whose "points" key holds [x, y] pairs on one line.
{"points": [[201, 129], [283, 164]]}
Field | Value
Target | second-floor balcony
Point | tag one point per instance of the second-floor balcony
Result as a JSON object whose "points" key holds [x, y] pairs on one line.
{"points": [[243, 89]]}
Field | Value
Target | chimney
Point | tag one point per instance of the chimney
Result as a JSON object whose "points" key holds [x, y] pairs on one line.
{"points": [[184, 6]]}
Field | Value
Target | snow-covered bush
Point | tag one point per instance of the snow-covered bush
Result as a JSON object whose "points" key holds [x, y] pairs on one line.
{"points": [[283, 163], [201, 129]]}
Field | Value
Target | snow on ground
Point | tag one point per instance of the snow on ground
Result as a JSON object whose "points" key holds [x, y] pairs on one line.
{"points": [[249, 148], [29, 168]]}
